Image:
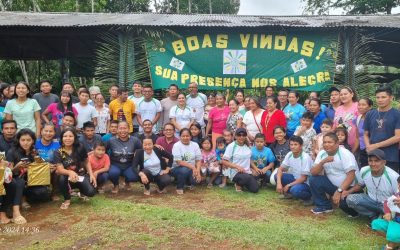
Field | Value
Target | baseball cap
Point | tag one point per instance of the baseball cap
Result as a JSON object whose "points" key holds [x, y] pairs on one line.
{"points": [[378, 153], [331, 89]]}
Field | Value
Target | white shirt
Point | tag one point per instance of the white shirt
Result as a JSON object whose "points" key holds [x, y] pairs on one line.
{"points": [[343, 163], [251, 126], [198, 104], [297, 166], [182, 116], [189, 153], [378, 188], [239, 155], [85, 113], [149, 110], [152, 163]]}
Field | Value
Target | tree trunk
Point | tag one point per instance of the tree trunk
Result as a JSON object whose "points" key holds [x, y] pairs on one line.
{"points": [[23, 70], [210, 5], [177, 6], [190, 6]]}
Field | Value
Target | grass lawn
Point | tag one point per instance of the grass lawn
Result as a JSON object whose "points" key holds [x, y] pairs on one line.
{"points": [[203, 218]]}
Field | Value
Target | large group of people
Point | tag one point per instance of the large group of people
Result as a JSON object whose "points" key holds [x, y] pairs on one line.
{"points": [[344, 154]]}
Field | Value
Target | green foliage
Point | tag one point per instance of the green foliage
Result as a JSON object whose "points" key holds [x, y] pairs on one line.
{"points": [[351, 6], [199, 6]]}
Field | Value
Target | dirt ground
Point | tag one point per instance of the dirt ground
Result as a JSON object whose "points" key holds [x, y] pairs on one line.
{"points": [[47, 222]]}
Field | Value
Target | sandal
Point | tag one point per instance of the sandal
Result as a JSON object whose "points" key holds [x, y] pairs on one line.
{"points": [[238, 188], [146, 192], [163, 191], [19, 220], [25, 205], [179, 191], [65, 205], [5, 222], [115, 190]]}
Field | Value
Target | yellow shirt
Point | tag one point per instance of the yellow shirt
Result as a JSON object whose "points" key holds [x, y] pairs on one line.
{"points": [[128, 109]]}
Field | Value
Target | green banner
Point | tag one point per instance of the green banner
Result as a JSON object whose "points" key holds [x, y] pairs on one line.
{"points": [[219, 60]]}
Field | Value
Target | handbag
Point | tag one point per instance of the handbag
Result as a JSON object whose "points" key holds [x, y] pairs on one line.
{"points": [[38, 172]]}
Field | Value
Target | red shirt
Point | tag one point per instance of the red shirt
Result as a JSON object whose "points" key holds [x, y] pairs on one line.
{"points": [[269, 123], [97, 163], [162, 141]]}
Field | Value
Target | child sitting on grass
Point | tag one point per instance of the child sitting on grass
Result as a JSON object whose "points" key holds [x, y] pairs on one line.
{"points": [[390, 224], [326, 126], [99, 161], [306, 132], [209, 161], [262, 159]]}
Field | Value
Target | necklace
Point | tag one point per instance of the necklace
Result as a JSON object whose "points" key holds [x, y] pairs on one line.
{"points": [[380, 120], [376, 186]]}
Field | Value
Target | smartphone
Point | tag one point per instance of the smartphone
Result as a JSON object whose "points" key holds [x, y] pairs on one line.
{"points": [[25, 159]]}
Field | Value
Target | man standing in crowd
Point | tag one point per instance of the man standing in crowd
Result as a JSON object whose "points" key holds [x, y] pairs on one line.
{"points": [[380, 183], [85, 111], [45, 97], [334, 103], [69, 87], [269, 92], [137, 97], [197, 101], [382, 128], [113, 93], [148, 109], [283, 98], [333, 172], [122, 109], [168, 102], [8, 134]]}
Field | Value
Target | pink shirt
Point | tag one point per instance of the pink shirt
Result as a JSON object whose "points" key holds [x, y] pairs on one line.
{"points": [[57, 115], [219, 117], [347, 117]]}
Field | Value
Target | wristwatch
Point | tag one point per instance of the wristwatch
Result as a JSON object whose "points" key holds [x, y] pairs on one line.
{"points": [[340, 190]]}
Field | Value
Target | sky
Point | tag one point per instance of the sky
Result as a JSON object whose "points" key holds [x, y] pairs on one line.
{"points": [[279, 7]]}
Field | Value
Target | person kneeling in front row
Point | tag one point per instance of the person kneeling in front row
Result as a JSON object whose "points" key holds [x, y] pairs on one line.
{"points": [[291, 177]]}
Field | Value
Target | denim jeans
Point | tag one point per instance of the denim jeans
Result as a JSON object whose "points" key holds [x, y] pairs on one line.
{"points": [[102, 178], [115, 172], [320, 186], [364, 205], [299, 191], [183, 175]]}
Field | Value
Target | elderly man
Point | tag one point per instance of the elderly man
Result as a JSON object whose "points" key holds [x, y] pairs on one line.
{"points": [[333, 172], [381, 183], [197, 101]]}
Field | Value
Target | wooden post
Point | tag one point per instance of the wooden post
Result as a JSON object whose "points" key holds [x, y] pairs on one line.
{"points": [[349, 40]]}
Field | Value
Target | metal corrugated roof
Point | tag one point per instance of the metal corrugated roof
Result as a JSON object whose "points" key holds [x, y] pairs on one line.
{"points": [[27, 19]]}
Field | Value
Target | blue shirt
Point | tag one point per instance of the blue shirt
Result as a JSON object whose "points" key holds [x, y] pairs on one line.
{"points": [[295, 113], [47, 152], [262, 158], [381, 126], [219, 153], [106, 137], [330, 112], [318, 121]]}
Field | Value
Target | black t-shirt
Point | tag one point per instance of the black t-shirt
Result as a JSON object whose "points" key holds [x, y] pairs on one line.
{"points": [[4, 144], [14, 155], [141, 137], [75, 161]]}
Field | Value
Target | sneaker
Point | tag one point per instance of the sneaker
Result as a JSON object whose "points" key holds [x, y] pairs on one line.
{"points": [[321, 210], [285, 196], [309, 202]]}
